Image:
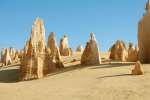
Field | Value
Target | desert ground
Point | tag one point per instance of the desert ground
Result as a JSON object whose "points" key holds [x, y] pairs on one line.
{"points": [[111, 80]]}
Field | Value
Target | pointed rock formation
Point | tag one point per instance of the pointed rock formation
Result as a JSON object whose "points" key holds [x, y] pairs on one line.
{"points": [[144, 36], [138, 69], [7, 58], [110, 49], [17, 52], [133, 53], [79, 48], [91, 54], [3, 54], [64, 47], [119, 51], [53, 47], [37, 62], [12, 53]]}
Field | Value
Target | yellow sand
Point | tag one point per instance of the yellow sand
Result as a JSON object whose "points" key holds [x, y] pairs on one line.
{"points": [[111, 80]]}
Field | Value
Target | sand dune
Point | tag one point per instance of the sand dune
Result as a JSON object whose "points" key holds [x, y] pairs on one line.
{"points": [[111, 80]]}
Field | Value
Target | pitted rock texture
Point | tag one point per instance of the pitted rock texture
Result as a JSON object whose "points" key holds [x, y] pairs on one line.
{"points": [[12, 53], [91, 54], [119, 51]]}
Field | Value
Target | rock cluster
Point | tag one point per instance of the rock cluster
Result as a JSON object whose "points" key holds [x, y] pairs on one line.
{"points": [[91, 54], [119, 51], [79, 48], [64, 47], [37, 62], [53, 47], [138, 69], [144, 36], [133, 53]]}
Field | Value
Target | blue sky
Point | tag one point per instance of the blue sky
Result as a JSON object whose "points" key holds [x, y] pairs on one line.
{"points": [[109, 20]]}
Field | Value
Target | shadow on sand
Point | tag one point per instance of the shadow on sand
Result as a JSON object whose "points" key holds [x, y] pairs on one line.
{"points": [[115, 75]]}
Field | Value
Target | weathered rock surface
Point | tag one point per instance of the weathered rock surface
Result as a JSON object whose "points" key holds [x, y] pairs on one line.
{"points": [[25, 49], [3, 52], [64, 47], [119, 51], [80, 48], [21, 54], [12, 53], [91, 54], [144, 36], [37, 62], [53, 47], [138, 69], [133, 53], [71, 51], [7, 58]]}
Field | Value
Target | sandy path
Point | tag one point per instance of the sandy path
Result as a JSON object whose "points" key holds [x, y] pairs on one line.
{"points": [[100, 82]]}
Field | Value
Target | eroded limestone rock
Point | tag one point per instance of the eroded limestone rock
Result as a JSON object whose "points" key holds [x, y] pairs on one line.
{"points": [[25, 49], [79, 48], [3, 52], [12, 53], [21, 54], [119, 51], [53, 47], [37, 62], [138, 69], [144, 36], [91, 54], [17, 52], [133, 53], [64, 47], [7, 58]]}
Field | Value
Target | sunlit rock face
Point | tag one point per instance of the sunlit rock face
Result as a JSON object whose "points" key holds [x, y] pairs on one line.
{"points": [[53, 47], [79, 48], [6, 59], [133, 53], [12, 53], [144, 36], [91, 54], [119, 51], [64, 47], [37, 62], [3, 52], [138, 69]]}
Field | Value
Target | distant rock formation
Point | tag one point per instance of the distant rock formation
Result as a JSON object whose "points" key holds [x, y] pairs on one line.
{"points": [[79, 48], [144, 36], [119, 51], [7, 58], [64, 47], [133, 53], [17, 52], [53, 47], [138, 69], [71, 51], [91, 54], [12, 53], [37, 62], [21, 54], [3, 52]]}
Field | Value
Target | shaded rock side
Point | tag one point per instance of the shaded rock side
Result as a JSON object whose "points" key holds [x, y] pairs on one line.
{"points": [[144, 36], [138, 69], [80, 48], [37, 62], [91, 54], [12, 53], [25, 49], [119, 51], [53, 46], [21, 54]]}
